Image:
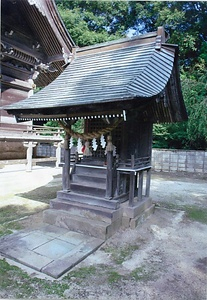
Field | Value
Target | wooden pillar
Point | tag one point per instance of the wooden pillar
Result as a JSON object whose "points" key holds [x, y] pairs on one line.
{"points": [[131, 188], [140, 188], [117, 192], [66, 165], [30, 145], [147, 192], [109, 178]]}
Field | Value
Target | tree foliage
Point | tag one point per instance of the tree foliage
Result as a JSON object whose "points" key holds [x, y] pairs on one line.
{"points": [[91, 22]]}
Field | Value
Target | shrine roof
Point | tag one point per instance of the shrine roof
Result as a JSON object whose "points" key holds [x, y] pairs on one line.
{"points": [[136, 68]]}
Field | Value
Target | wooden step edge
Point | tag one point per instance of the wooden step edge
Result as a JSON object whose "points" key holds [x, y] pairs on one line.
{"points": [[91, 167], [89, 184], [90, 175]]}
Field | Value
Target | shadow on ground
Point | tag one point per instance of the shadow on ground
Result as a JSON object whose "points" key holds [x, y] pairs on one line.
{"points": [[44, 193]]}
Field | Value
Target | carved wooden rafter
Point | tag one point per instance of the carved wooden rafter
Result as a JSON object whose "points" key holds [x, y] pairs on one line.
{"points": [[11, 51], [33, 61]]}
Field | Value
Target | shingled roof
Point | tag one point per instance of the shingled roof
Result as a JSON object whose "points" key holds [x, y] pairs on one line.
{"points": [[129, 69]]}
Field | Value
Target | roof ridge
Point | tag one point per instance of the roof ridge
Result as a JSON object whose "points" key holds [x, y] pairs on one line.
{"points": [[118, 44]]}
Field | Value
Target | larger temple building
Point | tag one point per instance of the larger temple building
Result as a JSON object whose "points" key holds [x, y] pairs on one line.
{"points": [[35, 48]]}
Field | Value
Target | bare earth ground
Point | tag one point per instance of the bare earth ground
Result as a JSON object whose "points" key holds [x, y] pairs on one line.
{"points": [[163, 258]]}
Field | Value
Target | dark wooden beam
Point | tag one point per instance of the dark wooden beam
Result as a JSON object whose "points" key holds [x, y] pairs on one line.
{"points": [[10, 81], [22, 48]]}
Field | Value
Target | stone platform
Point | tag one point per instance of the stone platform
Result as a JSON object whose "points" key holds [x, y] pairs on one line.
{"points": [[51, 250]]}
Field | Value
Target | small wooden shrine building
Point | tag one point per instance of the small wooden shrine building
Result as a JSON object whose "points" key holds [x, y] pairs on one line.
{"points": [[119, 89]]}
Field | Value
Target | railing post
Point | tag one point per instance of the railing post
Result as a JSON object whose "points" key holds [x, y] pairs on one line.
{"points": [[66, 165], [131, 188], [140, 188], [147, 192], [109, 178]]}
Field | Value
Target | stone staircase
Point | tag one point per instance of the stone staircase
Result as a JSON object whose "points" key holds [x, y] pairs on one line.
{"points": [[85, 209]]}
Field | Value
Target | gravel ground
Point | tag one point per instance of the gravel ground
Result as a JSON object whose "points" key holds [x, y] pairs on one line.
{"points": [[164, 258]]}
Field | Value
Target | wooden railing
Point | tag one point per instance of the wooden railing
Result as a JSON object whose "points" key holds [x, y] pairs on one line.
{"points": [[135, 162], [31, 133], [44, 130], [132, 171]]}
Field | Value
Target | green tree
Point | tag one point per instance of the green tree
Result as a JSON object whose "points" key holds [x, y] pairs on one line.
{"points": [[195, 94], [91, 22]]}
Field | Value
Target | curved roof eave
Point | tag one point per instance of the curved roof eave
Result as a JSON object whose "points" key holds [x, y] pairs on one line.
{"points": [[155, 75]]}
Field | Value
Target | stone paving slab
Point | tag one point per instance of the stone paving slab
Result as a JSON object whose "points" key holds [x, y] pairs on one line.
{"points": [[34, 240], [69, 260], [49, 249]]}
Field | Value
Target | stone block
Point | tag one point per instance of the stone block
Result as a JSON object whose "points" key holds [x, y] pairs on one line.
{"points": [[69, 260], [190, 164], [141, 218], [112, 228], [173, 165], [125, 222], [182, 160], [35, 239], [137, 209], [199, 160], [173, 169], [87, 211], [181, 169], [165, 167], [197, 170], [157, 167], [173, 158], [166, 159], [199, 167], [190, 170], [54, 249], [81, 224]]}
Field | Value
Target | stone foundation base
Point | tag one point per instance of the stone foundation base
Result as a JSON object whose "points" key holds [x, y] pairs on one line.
{"points": [[133, 216]]}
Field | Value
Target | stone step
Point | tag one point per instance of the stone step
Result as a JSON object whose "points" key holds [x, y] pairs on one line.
{"points": [[88, 211], [65, 219], [88, 199], [92, 188]]}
